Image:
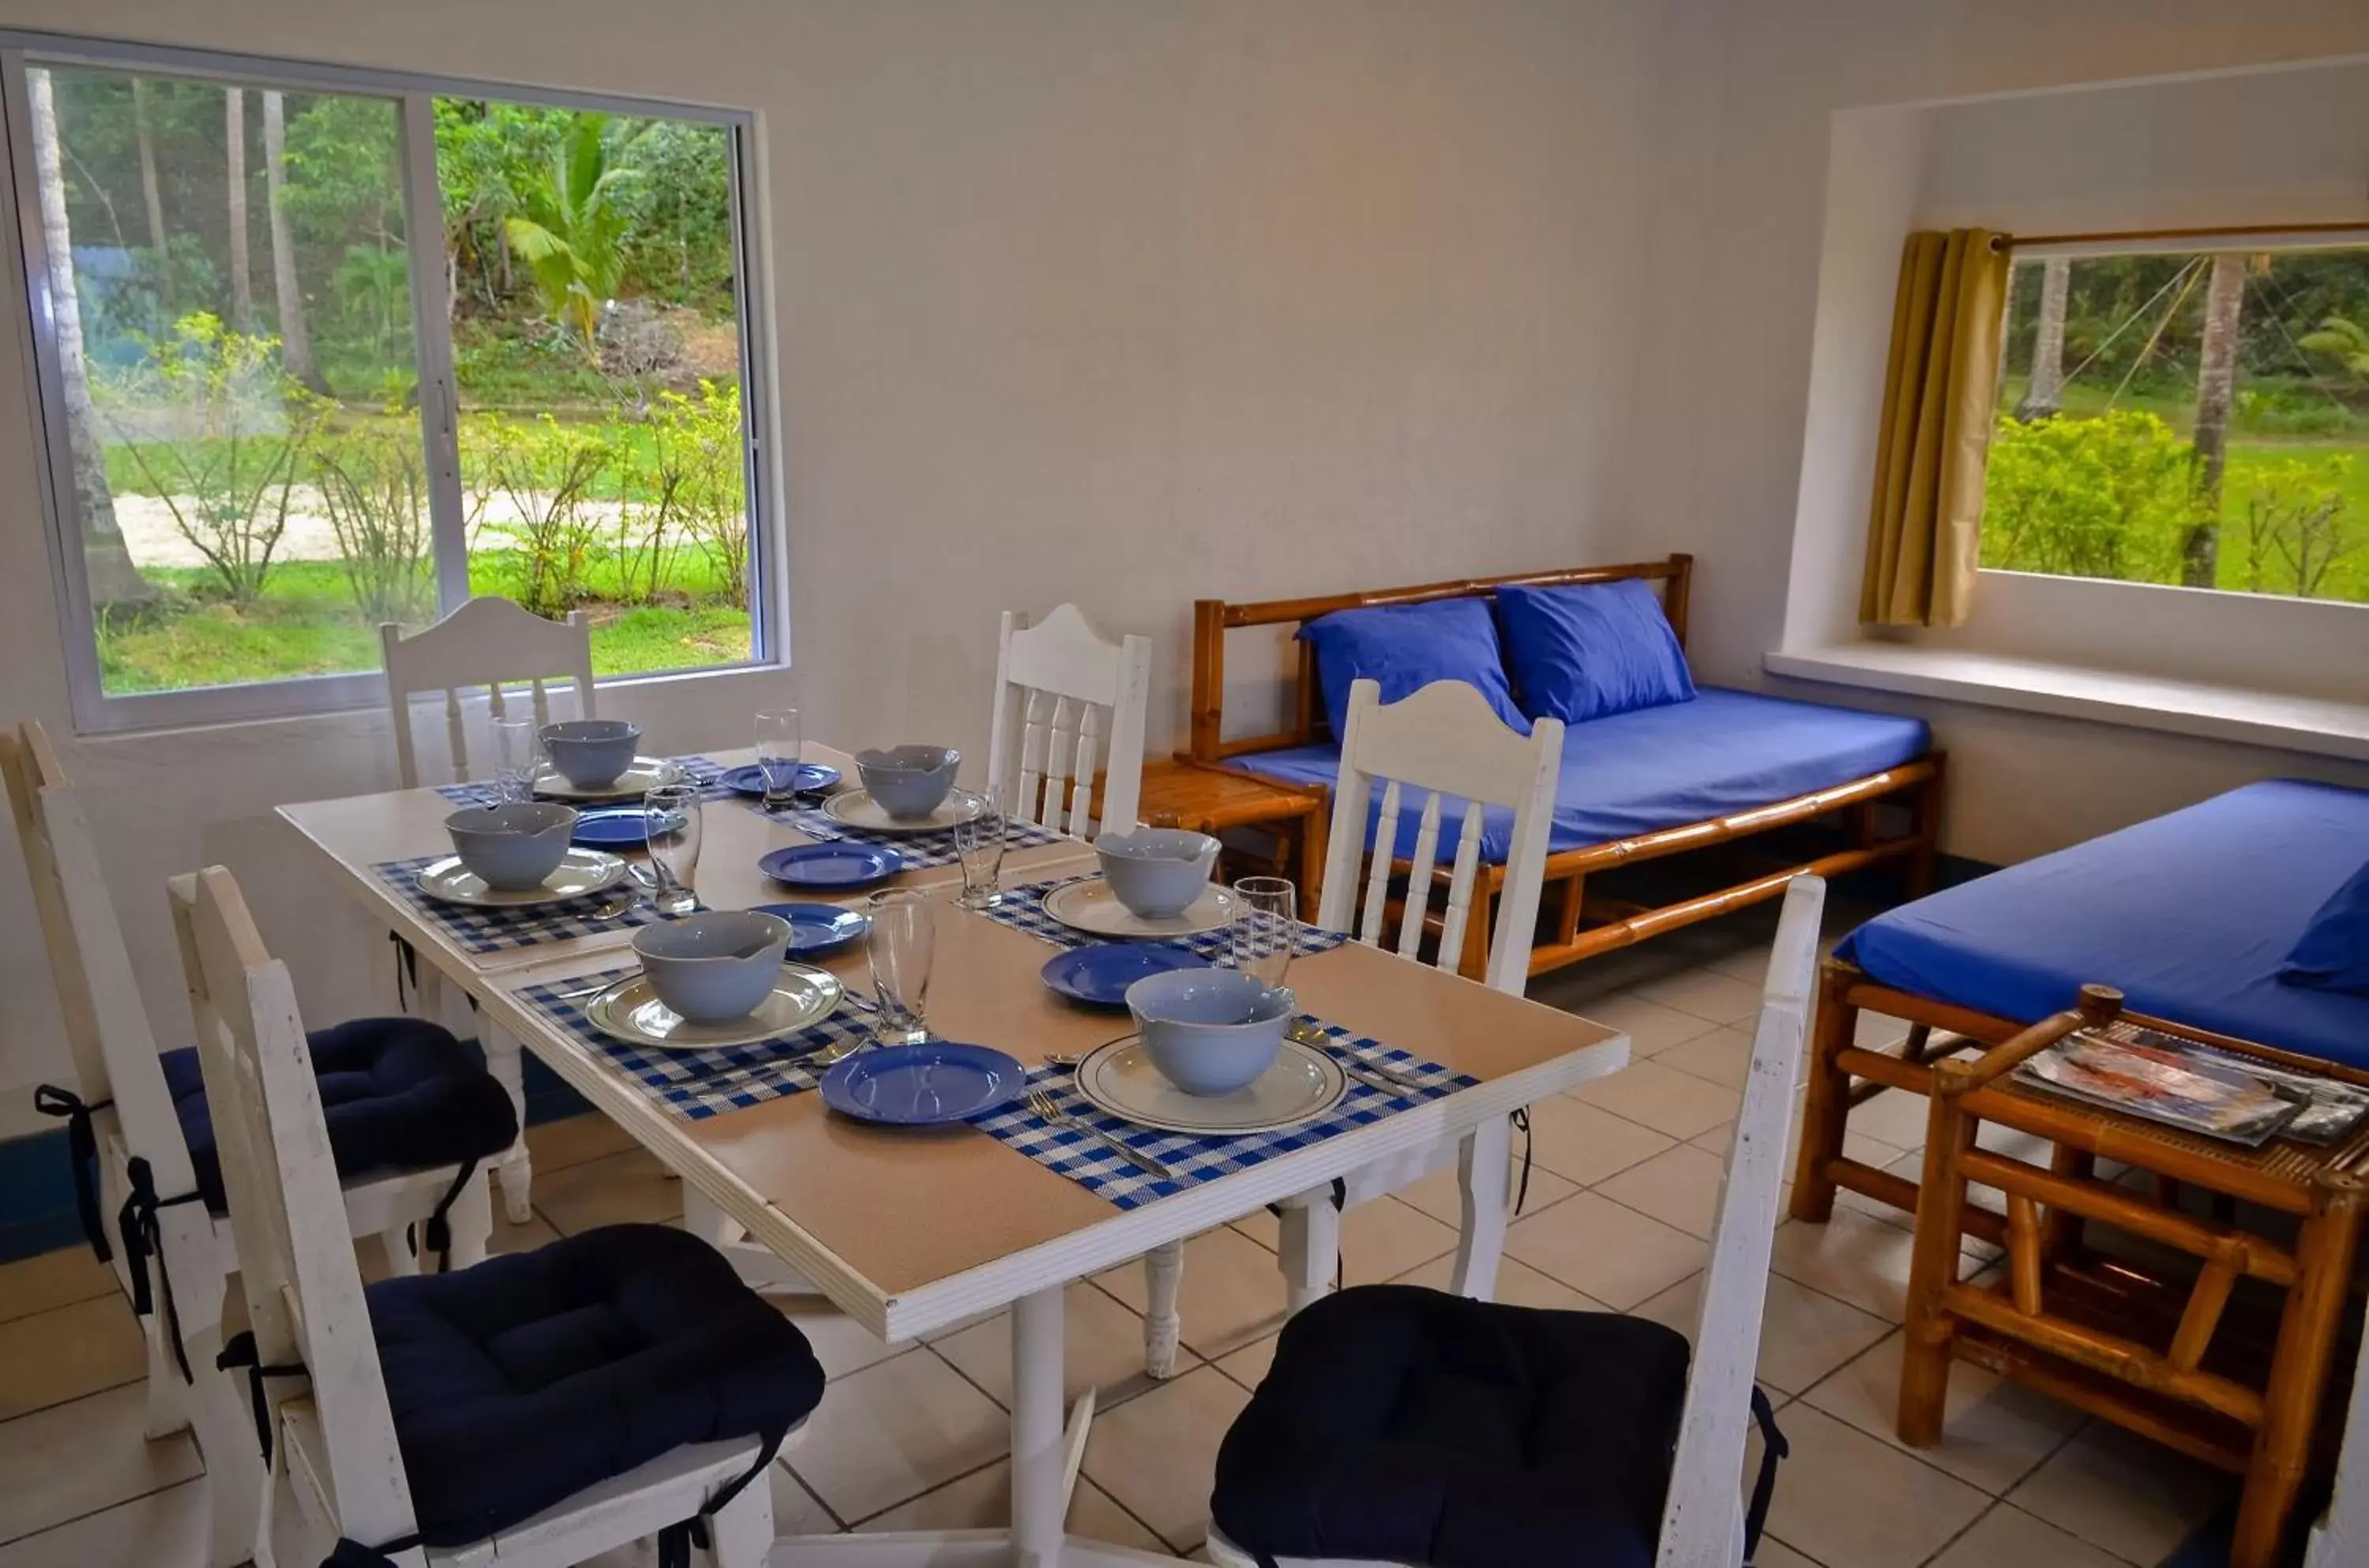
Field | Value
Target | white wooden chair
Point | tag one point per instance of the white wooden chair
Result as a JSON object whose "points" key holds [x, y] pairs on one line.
{"points": [[490, 642], [1054, 680], [338, 1473], [128, 1110], [1443, 740], [1703, 1519]]}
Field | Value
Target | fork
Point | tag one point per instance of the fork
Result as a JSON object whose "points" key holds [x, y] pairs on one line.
{"points": [[1049, 1110]]}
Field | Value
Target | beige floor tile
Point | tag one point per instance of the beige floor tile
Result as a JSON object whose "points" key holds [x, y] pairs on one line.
{"points": [[1992, 1431], [53, 1280], [1601, 1250], [1441, 1194], [1262, 1226], [1383, 1238], [1583, 1144], [1858, 1260], [1857, 1145], [982, 1501], [1674, 1103], [68, 1351], [1232, 1291], [1847, 1501], [1651, 1027], [1775, 1553], [2122, 1492], [1723, 1056], [1518, 1284], [1102, 1342], [1157, 1455], [615, 1189], [895, 1430], [166, 1530], [555, 1146], [2009, 1537], [797, 1511], [1875, 1032], [1749, 963], [1804, 1335], [1248, 1366], [840, 1343], [77, 1459], [1706, 993], [509, 1238], [1680, 1187], [1894, 1116]]}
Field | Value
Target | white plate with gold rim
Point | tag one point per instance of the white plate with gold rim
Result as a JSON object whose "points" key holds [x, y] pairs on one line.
{"points": [[1090, 906], [580, 874], [641, 776], [630, 1010], [1300, 1086], [857, 808]]}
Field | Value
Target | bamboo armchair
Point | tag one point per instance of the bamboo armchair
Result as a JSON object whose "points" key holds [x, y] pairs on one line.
{"points": [[1574, 930], [2177, 1355]]}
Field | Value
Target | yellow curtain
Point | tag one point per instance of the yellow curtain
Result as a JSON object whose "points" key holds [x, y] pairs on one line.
{"points": [[1940, 396]]}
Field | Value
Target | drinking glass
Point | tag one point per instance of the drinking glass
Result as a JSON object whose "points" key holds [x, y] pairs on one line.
{"points": [[900, 944], [778, 752], [1266, 927], [518, 755], [978, 840], [674, 821]]}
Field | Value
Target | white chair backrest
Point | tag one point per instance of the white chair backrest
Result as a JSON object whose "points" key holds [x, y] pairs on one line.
{"points": [[106, 1025], [1443, 740], [295, 1257], [1053, 681], [1701, 1521], [487, 642]]}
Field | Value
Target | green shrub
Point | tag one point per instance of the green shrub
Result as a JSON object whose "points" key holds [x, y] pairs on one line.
{"points": [[2103, 498], [2300, 527], [373, 484]]}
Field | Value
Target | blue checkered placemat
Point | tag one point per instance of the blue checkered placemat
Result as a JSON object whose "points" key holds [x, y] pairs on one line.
{"points": [[700, 770], [1024, 910], [698, 1085], [1195, 1160], [918, 849], [496, 929]]}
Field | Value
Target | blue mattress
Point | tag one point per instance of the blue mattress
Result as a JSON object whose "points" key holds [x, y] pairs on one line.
{"points": [[2189, 914], [1639, 772]]}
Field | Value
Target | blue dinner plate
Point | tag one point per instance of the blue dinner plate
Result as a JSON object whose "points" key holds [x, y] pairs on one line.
{"points": [[921, 1085], [816, 928], [749, 778], [614, 827], [1099, 974], [832, 865]]}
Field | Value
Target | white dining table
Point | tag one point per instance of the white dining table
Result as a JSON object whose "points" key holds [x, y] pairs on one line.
{"points": [[908, 1231]]}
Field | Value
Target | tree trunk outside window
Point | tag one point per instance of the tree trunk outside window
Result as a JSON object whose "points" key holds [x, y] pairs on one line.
{"points": [[2216, 377], [242, 289], [2045, 395], [295, 342]]}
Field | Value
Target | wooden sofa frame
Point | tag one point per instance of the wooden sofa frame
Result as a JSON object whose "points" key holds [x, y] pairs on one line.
{"points": [[1918, 784]]}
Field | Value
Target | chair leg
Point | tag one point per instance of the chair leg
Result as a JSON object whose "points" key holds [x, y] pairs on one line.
{"points": [[1486, 1152], [1310, 1253], [516, 1168], [471, 1221], [168, 1397], [225, 1424], [740, 1533], [396, 1240], [1163, 1280]]}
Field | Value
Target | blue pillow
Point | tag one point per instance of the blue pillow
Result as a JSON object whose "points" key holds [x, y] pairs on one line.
{"points": [[2333, 954], [1406, 647], [1592, 650]]}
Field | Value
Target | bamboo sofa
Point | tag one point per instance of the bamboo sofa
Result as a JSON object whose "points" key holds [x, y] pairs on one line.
{"points": [[1633, 786]]}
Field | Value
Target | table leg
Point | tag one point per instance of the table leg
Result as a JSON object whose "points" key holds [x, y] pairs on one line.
{"points": [[1039, 1449], [1487, 1152]]}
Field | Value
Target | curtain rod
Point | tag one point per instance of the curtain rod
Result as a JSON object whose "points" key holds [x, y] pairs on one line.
{"points": [[2119, 237]]}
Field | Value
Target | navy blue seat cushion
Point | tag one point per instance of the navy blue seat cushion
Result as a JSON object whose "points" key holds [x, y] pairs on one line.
{"points": [[399, 1094], [1409, 1425], [525, 1379]]}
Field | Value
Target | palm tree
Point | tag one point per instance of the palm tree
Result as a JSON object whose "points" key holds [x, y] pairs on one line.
{"points": [[2347, 340], [570, 229]]}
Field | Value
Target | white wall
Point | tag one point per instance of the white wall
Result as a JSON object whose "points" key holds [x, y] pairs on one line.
{"points": [[1742, 329], [1123, 302]]}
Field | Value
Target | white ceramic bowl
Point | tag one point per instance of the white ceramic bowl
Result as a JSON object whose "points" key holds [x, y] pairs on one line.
{"points": [[714, 966], [591, 752], [909, 782], [1209, 1031], [515, 845], [1157, 872]]}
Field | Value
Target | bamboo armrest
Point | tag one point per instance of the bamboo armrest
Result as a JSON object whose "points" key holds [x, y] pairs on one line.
{"points": [[2099, 1006]]}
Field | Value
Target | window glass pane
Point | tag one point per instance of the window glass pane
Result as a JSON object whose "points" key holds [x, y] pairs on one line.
{"points": [[597, 346], [231, 301], [2200, 420]]}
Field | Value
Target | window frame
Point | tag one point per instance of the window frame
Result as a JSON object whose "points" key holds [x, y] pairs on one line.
{"points": [[412, 95]]}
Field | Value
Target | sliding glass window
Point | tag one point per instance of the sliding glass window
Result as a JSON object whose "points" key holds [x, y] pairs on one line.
{"points": [[319, 351]]}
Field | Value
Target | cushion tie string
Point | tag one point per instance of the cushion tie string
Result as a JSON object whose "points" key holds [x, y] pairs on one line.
{"points": [[350, 1553], [143, 1238], [406, 967], [676, 1540], [240, 1350], [1773, 1448], [82, 1147], [1521, 1119], [438, 1233]]}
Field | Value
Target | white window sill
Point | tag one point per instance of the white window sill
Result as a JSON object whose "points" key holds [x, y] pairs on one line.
{"points": [[2317, 725]]}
